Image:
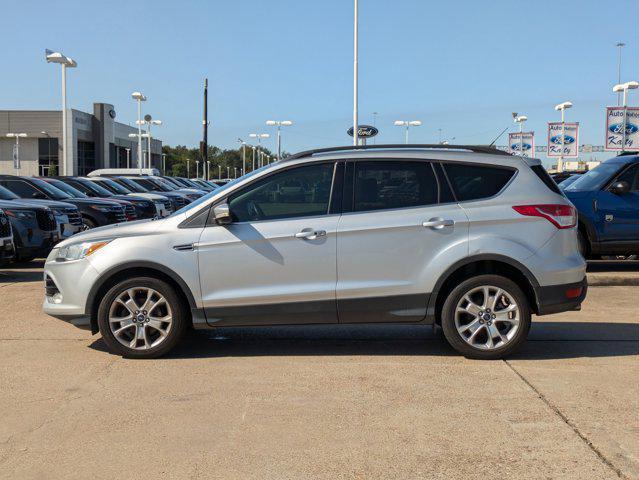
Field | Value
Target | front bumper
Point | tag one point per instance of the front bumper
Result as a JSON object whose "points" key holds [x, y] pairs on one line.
{"points": [[7, 248], [561, 298]]}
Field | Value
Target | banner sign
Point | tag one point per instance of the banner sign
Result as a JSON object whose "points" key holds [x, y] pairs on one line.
{"points": [[16, 158], [615, 129], [522, 143], [571, 140]]}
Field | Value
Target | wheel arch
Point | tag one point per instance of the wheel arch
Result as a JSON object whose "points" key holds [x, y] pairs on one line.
{"points": [[128, 270], [479, 265]]}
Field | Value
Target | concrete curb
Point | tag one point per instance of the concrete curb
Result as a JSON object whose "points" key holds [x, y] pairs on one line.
{"points": [[612, 280]]}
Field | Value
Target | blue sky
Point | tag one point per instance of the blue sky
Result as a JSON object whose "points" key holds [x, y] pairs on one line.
{"points": [[462, 66]]}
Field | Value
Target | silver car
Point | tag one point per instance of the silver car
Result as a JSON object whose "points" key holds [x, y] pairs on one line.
{"points": [[468, 238]]}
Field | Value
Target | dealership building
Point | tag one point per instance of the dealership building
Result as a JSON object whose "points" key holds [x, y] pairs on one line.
{"points": [[95, 140]]}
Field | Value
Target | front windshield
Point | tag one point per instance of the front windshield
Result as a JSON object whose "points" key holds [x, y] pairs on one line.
{"points": [[164, 183], [148, 184], [594, 178], [133, 186], [115, 187], [53, 192], [223, 188], [95, 188], [68, 189], [6, 194]]}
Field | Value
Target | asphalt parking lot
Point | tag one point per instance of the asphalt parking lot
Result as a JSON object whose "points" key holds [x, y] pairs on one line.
{"points": [[323, 402]]}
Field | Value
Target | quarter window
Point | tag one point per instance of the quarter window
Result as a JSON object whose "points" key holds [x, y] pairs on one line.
{"points": [[298, 192], [396, 184], [472, 182], [22, 188]]}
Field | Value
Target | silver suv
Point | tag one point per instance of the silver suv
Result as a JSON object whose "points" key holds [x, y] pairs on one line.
{"points": [[468, 238]]}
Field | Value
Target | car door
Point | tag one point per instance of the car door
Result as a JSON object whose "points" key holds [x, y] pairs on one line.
{"points": [[276, 262], [620, 212], [399, 218]]}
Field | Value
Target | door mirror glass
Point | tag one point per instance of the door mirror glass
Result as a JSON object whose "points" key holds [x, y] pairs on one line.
{"points": [[620, 188], [222, 214]]}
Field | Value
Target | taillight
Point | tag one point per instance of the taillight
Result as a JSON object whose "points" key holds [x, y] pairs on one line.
{"points": [[561, 216]]}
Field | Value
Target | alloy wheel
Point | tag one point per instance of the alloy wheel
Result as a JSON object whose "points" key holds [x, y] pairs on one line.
{"points": [[487, 317], [140, 318]]}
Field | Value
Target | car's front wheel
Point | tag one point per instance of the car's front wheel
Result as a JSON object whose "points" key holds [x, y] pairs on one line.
{"points": [[486, 317], [141, 317]]}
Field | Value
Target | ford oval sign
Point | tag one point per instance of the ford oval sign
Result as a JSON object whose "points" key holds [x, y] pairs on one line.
{"points": [[567, 139], [525, 146], [364, 131], [617, 128]]}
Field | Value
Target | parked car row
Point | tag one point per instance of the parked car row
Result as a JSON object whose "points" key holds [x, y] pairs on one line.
{"points": [[37, 212]]}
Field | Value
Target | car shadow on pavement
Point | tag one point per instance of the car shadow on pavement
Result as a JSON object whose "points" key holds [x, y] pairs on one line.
{"points": [[613, 266], [22, 272], [547, 340]]}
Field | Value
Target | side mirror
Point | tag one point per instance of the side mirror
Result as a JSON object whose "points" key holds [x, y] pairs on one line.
{"points": [[222, 214], [619, 188]]}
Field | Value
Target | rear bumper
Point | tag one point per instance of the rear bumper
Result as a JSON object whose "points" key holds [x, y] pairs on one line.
{"points": [[556, 298]]}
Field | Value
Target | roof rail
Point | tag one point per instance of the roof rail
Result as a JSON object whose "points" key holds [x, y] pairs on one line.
{"points": [[470, 148]]}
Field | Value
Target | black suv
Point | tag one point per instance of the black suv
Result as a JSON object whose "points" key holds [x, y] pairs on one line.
{"points": [[136, 207], [67, 215], [94, 212], [35, 230]]}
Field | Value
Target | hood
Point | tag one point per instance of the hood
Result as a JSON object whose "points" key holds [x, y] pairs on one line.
{"points": [[130, 198], [119, 230], [9, 204], [93, 201], [47, 203]]}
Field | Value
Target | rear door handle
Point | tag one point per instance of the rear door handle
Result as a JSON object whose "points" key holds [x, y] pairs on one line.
{"points": [[310, 234], [438, 223]]}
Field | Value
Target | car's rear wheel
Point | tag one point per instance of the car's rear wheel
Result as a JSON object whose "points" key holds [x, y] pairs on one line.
{"points": [[486, 317], [141, 318]]}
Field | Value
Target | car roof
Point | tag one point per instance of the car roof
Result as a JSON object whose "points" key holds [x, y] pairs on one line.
{"points": [[624, 158]]}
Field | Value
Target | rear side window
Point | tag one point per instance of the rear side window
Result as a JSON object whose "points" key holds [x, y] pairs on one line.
{"points": [[386, 185], [21, 188], [546, 178], [472, 182]]}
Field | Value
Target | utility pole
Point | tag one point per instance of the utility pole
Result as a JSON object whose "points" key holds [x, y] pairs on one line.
{"points": [[619, 45]]}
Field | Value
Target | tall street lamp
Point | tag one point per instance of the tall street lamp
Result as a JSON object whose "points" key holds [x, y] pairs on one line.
{"points": [[619, 88], [521, 119], [259, 137], [243, 146], [66, 62], [407, 124], [148, 121], [138, 97], [355, 74], [16, 150], [619, 46], [164, 164], [562, 107], [279, 124]]}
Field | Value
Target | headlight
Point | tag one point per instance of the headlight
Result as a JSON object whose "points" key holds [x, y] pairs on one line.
{"points": [[21, 214], [77, 251]]}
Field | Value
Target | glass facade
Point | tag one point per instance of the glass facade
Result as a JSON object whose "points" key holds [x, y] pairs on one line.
{"points": [[86, 157], [48, 156]]}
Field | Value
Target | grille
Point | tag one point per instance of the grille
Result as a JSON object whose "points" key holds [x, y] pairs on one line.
{"points": [[5, 226], [119, 214], [129, 211], [46, 220], [74, 216]]}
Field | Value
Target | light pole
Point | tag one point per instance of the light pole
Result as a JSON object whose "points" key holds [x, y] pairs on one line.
{"points": [[259, 137], [137, 136], [66, 62], [619, 88], [219, 172], [208, 170], [188, 169], [197, 169], [253, 148], [562, 107], [619, 46], [228, 169], [164, 164], [16, 150], [355, 74], [243, 146], [148, 121], [407, 124], [279, 124], [139, 98], [521, 119], [128, 157]]}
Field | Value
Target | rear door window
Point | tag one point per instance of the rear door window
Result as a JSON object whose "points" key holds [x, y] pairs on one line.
{"points": [[384, 185], [472, 182]]}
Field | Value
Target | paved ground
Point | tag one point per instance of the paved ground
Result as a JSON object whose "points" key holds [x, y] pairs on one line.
{"points": [[386, 402]]}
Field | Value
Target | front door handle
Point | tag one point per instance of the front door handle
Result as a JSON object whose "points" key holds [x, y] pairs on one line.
{"points": [[310, 233], [438, 223]]}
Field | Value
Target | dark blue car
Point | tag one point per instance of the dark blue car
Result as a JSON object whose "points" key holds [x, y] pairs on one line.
{"points": [[607, 198]]}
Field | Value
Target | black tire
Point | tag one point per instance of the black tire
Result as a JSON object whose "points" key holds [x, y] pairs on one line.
{"points": [[178, 309], [455, 339]]}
